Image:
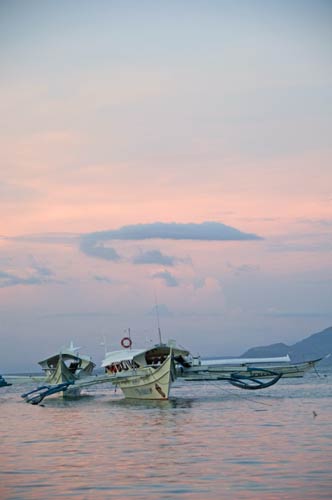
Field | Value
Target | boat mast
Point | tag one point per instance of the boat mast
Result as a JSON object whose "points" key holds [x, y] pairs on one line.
{"points": [[157, 313], [129, 338]]}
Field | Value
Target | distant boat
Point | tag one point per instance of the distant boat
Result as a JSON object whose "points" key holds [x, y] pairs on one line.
{"points": [[3, 382], [245, 372]]}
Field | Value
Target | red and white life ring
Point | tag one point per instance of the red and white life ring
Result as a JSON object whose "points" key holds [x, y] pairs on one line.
{"points": [[126, 342]]}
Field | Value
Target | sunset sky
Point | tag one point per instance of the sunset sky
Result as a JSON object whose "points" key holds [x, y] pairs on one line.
{"points": [[175, 153]]}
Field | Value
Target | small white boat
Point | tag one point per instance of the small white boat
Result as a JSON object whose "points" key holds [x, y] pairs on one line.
{"points": [[144, 373], [67, 366], [65, 373], [3, 382]]}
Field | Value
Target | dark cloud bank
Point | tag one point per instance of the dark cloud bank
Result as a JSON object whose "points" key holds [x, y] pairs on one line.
{"points": [[92, 244]]}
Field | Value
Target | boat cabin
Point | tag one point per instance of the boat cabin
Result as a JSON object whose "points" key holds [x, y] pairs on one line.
{"points": [[122, 361]]}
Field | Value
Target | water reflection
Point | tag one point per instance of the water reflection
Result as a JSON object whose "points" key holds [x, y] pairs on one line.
{"points": [[148, 404], [202, 443]]}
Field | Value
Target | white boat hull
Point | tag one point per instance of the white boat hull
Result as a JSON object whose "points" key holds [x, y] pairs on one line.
{"points": [[149, 383]]}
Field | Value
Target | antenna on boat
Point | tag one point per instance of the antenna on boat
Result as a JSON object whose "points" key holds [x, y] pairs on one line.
{"points": [[157, 313], [103, 343], [130, 344]]}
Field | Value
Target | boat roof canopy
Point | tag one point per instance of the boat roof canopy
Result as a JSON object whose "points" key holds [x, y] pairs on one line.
{"points": [[241, 361], [130, 354], [122, 355], [66, 354]]}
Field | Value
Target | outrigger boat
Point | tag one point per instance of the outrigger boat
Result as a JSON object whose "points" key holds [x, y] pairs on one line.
{"points": [[65, 372], [144, 373], [67, 366], [246, 373]]}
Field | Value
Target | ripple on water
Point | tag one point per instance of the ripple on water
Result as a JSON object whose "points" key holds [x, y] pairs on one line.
{"points": [[203, 443]]}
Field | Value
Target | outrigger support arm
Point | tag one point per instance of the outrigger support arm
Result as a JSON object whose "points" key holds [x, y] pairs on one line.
{"points": [[42, 392], [253, 384]]}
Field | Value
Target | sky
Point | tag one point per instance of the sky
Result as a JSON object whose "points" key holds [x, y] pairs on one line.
{"points": [[164, 161]]}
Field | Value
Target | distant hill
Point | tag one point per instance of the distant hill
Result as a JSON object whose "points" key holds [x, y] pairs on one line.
{"points": [[315, 346]]}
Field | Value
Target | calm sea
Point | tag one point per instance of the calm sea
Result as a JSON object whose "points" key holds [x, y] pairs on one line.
{"points": [[210, 441]]}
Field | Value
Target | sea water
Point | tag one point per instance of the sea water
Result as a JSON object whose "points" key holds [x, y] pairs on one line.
{"points": [[209, 441]]}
